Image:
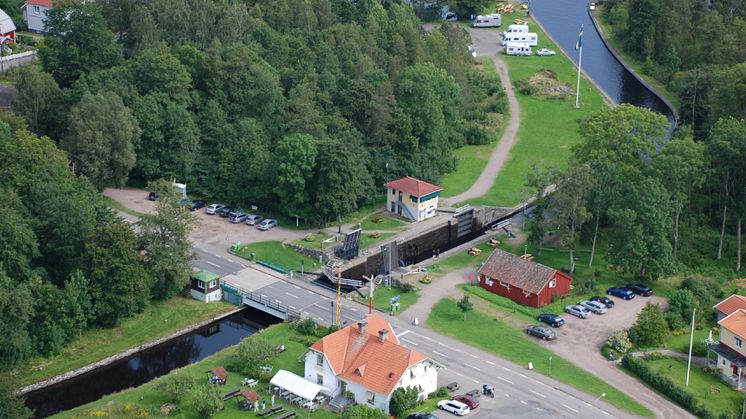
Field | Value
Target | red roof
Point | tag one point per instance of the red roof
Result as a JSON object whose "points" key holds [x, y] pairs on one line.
{"points": [[361, 357], [736, 323], [516, 271], [43, 3], [413, 186], [731, 304]]}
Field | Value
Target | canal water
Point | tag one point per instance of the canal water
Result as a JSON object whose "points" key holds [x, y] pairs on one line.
{"points": [[563, 19], [148, 364]]}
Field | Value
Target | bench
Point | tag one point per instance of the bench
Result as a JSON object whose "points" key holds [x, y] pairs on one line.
{"points": [[493, 243], [474, 251], [271, 411], [232, 393], [287, 415]]}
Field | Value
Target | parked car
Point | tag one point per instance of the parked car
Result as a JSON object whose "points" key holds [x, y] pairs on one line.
{"points": [[267, 224], [225, 211], [213, 208], [197, 204], [542, 332], [603, 300], [253, 219], [152, 196], [422, 415], [551, 319], [185, 202], [468, 400], [236, 211], [621, 292], [594, 306], [545, 51], [239, 218], [641, 289], [455, 407], [578, 311], [450, 17]]}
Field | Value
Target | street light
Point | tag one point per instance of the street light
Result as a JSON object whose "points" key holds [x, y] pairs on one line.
{"points": [[550, 365], [601, 396]]}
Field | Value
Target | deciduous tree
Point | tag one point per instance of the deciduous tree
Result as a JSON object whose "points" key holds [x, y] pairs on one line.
{"points": [[295, 160], [569, 201], [465, 305], [16, 317], [40, 101], [651, 327]]}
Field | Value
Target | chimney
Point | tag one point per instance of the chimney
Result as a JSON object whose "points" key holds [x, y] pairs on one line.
{"points": [[383, 334], [361, 326]]}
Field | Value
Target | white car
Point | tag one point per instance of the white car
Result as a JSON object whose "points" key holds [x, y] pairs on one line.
{"points": [[267, 224], [454, 406], [594, 306], [545, 51], [214, 208], [578, 311]]}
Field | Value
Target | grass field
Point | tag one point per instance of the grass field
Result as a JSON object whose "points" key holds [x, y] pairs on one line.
{"points": [[385, 222], [366, 240], [316, 242], [706, 388], [382, 297], [461, 260], [159, 319], [277, 254], [549, 127], [493, 335]]}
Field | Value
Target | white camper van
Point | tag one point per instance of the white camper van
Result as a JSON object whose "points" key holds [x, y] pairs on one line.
{"points": [[529, 38], [518, 48], [487, 21], [516, 29]]}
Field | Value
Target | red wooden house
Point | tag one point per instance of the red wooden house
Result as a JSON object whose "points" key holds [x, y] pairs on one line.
{"points": [[522, 281]]}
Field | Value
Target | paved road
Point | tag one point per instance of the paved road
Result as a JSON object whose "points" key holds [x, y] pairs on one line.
{"points": [[221, 264]]}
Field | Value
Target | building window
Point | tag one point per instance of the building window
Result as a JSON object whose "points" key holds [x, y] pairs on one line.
{"points": [[723, 362], [505, 284], [552, 283], [411, 373], [319, 379], [370, 397], [200, 285], [319, 359], [738, 342], [526, 293], [36, 10], [213, 283]]}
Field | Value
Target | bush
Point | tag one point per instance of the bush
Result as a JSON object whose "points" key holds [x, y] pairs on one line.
{"points": [[651, 327], [407, 287], [361, 411], [476, 134], [498, 104], [681, 304], [251, 353], [403, 400], [620, 342], [305, 327], [525, 87], [206, 400], [176, 386]]}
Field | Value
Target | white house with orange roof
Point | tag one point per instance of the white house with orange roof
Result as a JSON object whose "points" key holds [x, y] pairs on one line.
{"points": [[726, 307], [35, 14], [731, 350], [367, 360], [412, 198]]}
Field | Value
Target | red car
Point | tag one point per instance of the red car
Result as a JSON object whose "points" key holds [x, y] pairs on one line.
{"points": [[468, 400]]}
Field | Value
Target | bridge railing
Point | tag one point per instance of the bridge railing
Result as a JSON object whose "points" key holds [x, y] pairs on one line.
{"points": [[291, 314]]}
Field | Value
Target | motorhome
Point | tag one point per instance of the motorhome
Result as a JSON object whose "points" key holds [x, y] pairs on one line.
{"points": [[529, 38], [487, 21], [518, 48], [516, 29]]}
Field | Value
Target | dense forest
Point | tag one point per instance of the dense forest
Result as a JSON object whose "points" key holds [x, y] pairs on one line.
{"points": [[265, 103], [695, 47]]}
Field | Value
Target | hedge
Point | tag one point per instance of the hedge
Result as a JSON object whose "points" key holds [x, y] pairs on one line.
{"points": [[665, 386]]}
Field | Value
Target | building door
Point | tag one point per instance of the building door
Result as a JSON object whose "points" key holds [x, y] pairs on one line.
{"points": [[734, 370], [393, 207], [342, 387]]}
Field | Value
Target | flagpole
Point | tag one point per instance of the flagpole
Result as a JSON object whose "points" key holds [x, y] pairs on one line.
{"points": [[580, 64]]}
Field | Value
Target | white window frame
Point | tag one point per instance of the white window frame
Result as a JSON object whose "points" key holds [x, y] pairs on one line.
{"points": [[213, 283], [505, 284], [319, 359], [526, 293], [553, 283], [370, 400], [200, 284], [739, 342], [37, 10], [319, 379]]}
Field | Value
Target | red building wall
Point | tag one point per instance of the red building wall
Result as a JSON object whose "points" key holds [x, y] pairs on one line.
{"points": [[533, 300]]}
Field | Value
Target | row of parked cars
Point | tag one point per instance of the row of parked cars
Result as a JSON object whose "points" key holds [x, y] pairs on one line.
{"points": [[238, 216], [584, 309]]}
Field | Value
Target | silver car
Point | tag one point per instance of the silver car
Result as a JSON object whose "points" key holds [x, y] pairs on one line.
{"points": [[213, 209], [594, 306], [578, 311], [267, 224], [253, 219]]}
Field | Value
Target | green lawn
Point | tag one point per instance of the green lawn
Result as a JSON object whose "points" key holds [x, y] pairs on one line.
{"points": [[366, 240], [706, 388], [315, 244], [277, 254], [548, 127], [159, 319], [385, 222], [147, 398], [461, 260], [493, 335], [382, 297]]}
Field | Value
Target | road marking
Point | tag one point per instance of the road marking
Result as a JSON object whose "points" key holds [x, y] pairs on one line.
{"points": [[506, 369], [323, 298], [320, 319], [403, 333], [296, 287], [244, 266], [539, 382], [425, 337], [475, 381], [472, 366], [538, 394], [265, 296], [310, 292], [294, 296], [438, 353], [279, 301], [588, 404], [474, 356], [293, 307], [460, 375], [570, 408], [604, 412], [523, 401], [214, 264], [522, 375], [409, 342], [507, 381], [507, 395], [490, 362]]}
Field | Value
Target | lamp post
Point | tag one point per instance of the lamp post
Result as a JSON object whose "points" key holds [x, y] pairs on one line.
{"points": [[332, 303], [550, 365]]}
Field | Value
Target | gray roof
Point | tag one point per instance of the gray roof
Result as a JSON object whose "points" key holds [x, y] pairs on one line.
{"points": [[729, 354], [516, 271]]}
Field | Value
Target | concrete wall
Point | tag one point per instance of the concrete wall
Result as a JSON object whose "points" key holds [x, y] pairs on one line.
{"points": [[381, 401], [312, 370]]}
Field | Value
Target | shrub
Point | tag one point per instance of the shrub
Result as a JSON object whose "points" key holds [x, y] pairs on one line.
{"points": [[525, 87], [361, 411], [651, 327], [403, 400], [498, 104], [252, 353], [426, 280], [176, 386], [305, 327], [476, 134], [378, 218], [206, 400], [620, 342], [680, 308], [407, 287]]}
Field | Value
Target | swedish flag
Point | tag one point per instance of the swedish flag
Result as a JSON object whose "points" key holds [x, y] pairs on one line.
{"points": [[579, 44]]}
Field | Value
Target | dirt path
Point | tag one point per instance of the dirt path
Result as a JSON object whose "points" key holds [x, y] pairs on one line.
{"points": [[485, 44]]}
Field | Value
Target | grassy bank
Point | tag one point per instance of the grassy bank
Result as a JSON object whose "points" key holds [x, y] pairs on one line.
{"points": [[275, 253], [495, 336], [382, 298], [549, 127], [159, 319]]}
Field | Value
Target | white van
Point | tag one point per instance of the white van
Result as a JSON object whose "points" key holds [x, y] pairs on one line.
{"points": [[518, 48], [525, 37], [487, 21], [516, 29]]}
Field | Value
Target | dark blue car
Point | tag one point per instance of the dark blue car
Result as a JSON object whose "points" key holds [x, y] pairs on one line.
{"points": [[621, 292], [551, 319]]}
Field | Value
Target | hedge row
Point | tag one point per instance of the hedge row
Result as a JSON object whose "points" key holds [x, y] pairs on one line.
{"points": [[667, 387]]}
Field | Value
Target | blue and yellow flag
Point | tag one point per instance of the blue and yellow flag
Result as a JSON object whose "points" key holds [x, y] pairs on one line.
{"points": [[579, 44]]}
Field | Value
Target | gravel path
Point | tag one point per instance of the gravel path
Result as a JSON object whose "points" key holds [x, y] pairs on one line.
{"points": [[485, 44]]}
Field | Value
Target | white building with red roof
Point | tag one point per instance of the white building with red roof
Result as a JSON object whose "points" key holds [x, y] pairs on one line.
{"points": [[367, 360], [35, 14], [412, 198]]}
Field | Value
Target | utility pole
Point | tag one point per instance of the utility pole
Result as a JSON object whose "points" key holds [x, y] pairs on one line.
{"points": [[691, 341], [339, 297]]}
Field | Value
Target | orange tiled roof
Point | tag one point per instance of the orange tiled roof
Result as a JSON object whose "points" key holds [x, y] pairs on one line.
{"points": [[413, 186], [364, 359], [731, 304], [43, 3], [736, 323]]}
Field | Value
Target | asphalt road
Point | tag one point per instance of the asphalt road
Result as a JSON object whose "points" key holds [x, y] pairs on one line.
{"points": [[215, 262]]}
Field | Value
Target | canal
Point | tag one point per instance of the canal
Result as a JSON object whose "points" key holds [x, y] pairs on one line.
{"points": [[562, 19], [148, 364]]}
